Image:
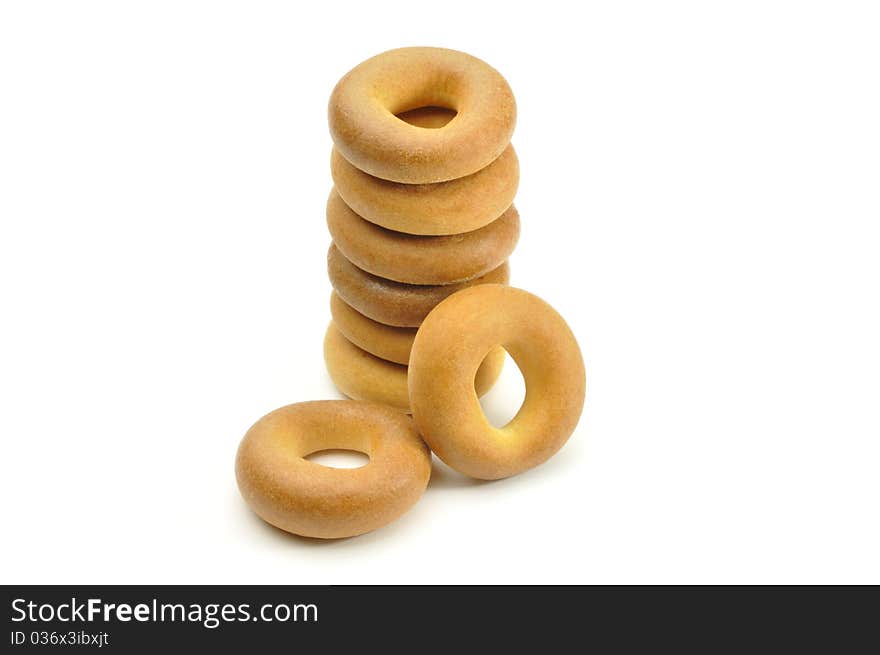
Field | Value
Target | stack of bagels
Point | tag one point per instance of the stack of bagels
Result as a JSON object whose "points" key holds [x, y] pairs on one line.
{"points": [[422, 207], [422, 220]]}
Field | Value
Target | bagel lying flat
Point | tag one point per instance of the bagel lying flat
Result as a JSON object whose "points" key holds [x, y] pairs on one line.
{"points": [[416, 259], [461, 205], [395, 303], [365, 128], [383, 341], [305, 498]]}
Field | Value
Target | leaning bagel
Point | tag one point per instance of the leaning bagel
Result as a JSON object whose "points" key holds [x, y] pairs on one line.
{"points": [[446, 353], [364, 106], [461, 205], [395, 303], [421, 259]]}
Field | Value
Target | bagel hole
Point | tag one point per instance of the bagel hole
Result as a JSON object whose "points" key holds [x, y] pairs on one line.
{"points": [[339, 458], [430, 116], [504, 400]]}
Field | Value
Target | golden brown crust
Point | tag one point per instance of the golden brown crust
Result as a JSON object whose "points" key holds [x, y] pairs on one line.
{"points": [[448, 348], [366, 131], [395, 303], [384, 341], [421, 259], [358, 374], [311, 500], [460, 205]]}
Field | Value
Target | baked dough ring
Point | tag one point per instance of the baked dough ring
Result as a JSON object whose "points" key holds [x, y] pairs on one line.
{"points": [[360, 375], [452, 207], [367, 132], [385, 341], [395, 303], [449, 347], [420, 259], [308, 499]]}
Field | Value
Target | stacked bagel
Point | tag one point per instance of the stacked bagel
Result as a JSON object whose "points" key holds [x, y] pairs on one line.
{"points": [[422, 206]]}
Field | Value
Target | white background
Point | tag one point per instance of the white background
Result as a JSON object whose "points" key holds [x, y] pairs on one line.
{"points": [[700, 199]]}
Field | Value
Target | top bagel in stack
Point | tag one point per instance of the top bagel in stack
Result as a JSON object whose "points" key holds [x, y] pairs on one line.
{"points": [[365, 103]]}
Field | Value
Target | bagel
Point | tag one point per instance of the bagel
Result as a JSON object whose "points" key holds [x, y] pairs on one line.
{"points": [[363, 110], [384, 341], [360, 375], [395, 303], [461, 205], [421, 259], [312, 500], [446, 353]]}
